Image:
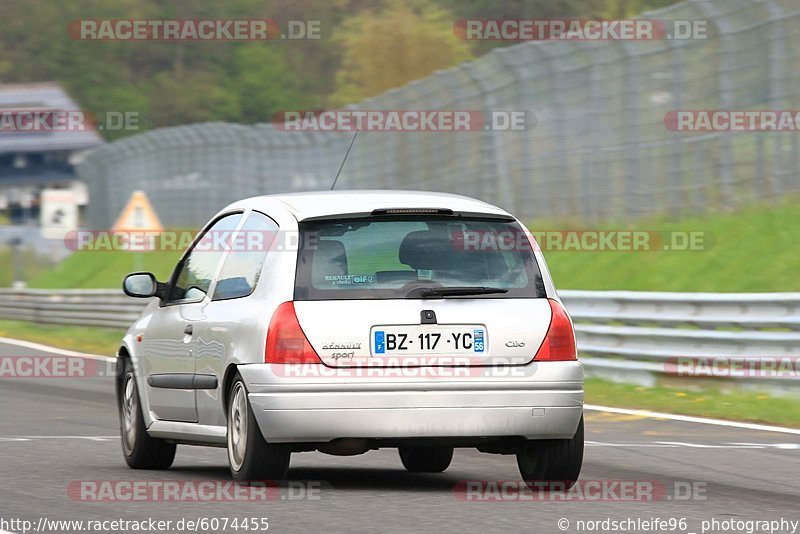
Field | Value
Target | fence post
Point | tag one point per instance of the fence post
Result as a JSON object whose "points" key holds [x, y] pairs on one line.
{"points": [[632, 98], [677, 88], [726, 92], [498, 166], [776, 39]]}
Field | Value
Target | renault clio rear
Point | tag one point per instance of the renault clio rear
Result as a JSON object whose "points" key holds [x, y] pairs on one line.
{"points": [[365, 320]]}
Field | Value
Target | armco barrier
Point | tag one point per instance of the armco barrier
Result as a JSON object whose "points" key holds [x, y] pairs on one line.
{"points": [[623, 333], [80, 307]]}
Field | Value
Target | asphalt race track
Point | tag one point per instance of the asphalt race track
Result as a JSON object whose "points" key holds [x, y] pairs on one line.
{"points": [[56, 432]]}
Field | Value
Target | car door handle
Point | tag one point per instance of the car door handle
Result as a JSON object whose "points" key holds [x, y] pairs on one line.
{"points": [[188, 330]]}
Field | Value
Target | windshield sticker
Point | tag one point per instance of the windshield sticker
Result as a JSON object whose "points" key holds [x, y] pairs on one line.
{"points": [[349, 279]]}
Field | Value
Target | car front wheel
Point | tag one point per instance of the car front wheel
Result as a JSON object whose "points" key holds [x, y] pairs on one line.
{"points": [[556, 462], [250, 457]]}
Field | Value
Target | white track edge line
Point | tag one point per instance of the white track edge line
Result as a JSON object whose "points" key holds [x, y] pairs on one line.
{"points": [[693, 419], [53, 350]]}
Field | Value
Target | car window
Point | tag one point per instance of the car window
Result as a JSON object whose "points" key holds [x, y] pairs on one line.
{"points": [[385, 257], [242, 267], [197, 270]]}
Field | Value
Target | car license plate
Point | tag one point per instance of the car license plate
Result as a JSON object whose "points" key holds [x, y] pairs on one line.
{"points": [[421, 340]]}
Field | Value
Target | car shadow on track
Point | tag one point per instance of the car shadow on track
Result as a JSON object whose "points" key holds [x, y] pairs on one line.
{"points": [[351, 478]]}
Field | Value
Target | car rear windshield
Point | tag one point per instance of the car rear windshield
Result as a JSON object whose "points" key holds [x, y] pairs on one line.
{"points": [[383, 257]]}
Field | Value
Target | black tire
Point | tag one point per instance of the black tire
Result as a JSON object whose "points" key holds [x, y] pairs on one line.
{"points": [[555, 461], [140, 450], [255, 459], [426, 459]]}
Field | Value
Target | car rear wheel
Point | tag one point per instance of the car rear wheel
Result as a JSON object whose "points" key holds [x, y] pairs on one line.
{"points": [[250, 457], [141, 451], [556, 461], [426, 459]]}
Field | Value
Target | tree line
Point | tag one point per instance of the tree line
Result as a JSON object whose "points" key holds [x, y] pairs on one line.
{"points": [[364, 48]]}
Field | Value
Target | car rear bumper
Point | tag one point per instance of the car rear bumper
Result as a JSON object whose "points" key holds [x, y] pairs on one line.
{"points": [[536, 401]]}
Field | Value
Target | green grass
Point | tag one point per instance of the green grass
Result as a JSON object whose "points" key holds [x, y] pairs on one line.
{"points": [[756, 249], [29, 265], [90, 340], [737, 404], [96, 270]]}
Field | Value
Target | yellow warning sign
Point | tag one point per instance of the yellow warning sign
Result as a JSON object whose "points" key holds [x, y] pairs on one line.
{"points": [[138, 214]]}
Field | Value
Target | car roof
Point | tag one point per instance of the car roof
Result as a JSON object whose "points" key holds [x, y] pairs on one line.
{"points": [[314, 204]]}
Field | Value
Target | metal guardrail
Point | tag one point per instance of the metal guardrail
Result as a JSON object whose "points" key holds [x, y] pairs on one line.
{"points": [[619, 332], [79, 307], [651, 333]]}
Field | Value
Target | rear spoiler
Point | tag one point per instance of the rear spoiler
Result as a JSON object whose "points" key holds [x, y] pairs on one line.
{"points": [[400, 212]]}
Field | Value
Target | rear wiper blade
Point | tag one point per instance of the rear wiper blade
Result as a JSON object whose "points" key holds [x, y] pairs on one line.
{"points": [[461, 291]]}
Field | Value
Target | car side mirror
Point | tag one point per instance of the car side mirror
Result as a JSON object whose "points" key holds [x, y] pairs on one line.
{"points": [[140, 285]]}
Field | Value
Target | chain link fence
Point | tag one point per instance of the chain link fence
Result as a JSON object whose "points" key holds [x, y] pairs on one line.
{"points": [[600, 149]]}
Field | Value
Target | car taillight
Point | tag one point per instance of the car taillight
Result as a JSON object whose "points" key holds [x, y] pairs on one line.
{"points": [[559, 343], [286, 342]]}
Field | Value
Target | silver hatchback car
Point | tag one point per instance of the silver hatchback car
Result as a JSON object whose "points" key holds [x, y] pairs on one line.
{"points": [[349, 321]]}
